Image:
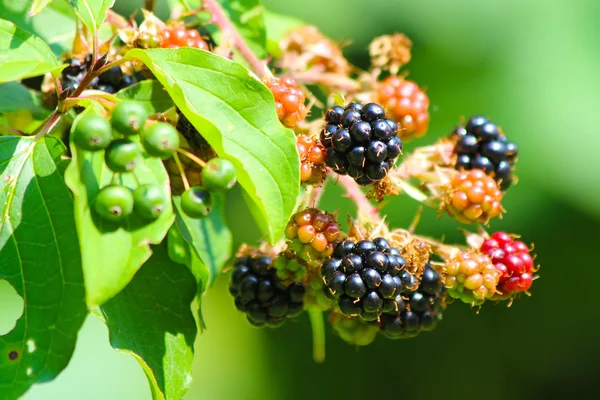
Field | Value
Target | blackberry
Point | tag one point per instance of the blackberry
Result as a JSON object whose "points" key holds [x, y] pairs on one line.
{"points": [[313, 235], [312, 156], [289, 100], [110, 81], [472, 196], [481, 144], [360, 142], [407, 103], [177, 36], [418, 310], [471, 277], [261, 294], [366, 277]]}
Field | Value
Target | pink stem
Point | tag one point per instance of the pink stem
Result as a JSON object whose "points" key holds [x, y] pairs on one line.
{"points": [[356, 194]]}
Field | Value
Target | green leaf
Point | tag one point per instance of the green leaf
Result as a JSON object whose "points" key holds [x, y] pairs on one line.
{"points": [[22, 54], [38, 6], [247, 16], [278, 25], [152, 320], [150, 93], [209, 237], [236, 114], [91, 12], [16, 97], [40, 258], [112, 253]]}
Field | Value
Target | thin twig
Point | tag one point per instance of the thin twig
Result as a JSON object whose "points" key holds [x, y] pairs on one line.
{"points": [[192, 157], [356, 194], [149, 5], [48, 124], [186, 183]]}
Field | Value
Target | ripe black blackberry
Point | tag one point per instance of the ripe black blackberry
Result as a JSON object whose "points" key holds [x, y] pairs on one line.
{"points": [[361, 142], [110, 81], [416, 311], [365, 277], [481, 144], [262, 295]]}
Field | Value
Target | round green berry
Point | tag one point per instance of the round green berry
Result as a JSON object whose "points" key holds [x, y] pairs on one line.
{"points": [[129, 118], [160, 140], [92, 133], [122, 155], [114, 203], [196, 202], [149, 201], [218, 175]]}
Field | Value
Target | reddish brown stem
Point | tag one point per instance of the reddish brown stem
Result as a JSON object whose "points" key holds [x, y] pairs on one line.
{"points": [[356, 194], [48, 124]]}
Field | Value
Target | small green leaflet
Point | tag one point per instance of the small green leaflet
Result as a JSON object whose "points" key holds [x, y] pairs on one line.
{"points": [[38, 6], [23, 55], [40, 258], [112, 253], [150, 93], [91, 12], [236, 115], [152, 320]]}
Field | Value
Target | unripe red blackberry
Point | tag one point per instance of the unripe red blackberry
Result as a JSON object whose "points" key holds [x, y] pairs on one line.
{"points": [[177, 36], [406, 103], [418, 310], [312, 156], [472, 196], [313, 235], [289, 100], [262, 295], [471, 277], [481, 144], [353, 330], [361, 142], [513, 260]]}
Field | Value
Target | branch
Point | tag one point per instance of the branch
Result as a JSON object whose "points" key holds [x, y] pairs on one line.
{"points": [[48, 124]]}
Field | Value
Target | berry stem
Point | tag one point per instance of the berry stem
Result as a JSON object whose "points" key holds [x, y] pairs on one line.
{"points": [[48, 124], [318, 334], [186, 183], [363, 204], [192, 157], [223, 22]]}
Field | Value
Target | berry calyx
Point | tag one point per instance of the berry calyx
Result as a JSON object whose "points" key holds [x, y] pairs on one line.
{"points": [[289, 100], [261, 295], [407, 104], [122, 155], [149, 201], [218, 175], [160, 140], [471, 277], [312, 157], [114, 203], [92, 133], [473, 197], [129, 118], [196, 202], [513, 260]]}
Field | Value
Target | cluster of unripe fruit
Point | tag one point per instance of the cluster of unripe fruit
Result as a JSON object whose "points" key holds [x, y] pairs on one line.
{"points": [[120, 139]]}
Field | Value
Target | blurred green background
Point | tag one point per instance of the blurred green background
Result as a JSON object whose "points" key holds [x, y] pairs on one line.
{"points": [[530, 65]]}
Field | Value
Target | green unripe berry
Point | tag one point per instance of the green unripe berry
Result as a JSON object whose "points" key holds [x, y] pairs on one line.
{"points": [[92, 133], [218, 175], [160, 140], [149, 201], [196, 202], [129, 118], [122, 155], [114, 203]]}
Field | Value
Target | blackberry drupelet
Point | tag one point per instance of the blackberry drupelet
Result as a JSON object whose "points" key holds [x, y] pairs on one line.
{"points": [[481, 144], [366, 277], [418, 310], [262, 295], [361, 142]]}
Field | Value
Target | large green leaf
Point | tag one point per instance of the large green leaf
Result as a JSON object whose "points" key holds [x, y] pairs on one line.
{"points": [[40, 258], [152, 320], [150, 93], [91, 12], [22, 54], [112, 253], [16, 97], [38, 6], [236, 114]]}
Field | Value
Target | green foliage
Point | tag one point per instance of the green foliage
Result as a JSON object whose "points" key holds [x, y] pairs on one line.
{"points": [[91, 12], [38, 6], [16, 97], [150, 93], [22, 54], [222, 100], [40, 258], [248, 18]]}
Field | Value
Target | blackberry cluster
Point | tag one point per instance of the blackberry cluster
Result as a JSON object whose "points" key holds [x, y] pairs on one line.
{"points": [[361, 142], [471, 277], [289, 100], [417, 311], [175, 37], [367, 277], [480, 144], [312, 156], [473, 197], [262, 295], [110, 81]]}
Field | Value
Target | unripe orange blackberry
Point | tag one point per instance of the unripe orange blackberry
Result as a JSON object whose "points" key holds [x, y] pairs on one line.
{"points": [[407, 105], [177, 36], [473, 197], [313, 235], [312, 156], [289, 100], [471, 277]]}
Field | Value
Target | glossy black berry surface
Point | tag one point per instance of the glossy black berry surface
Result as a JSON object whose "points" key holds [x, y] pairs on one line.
{"points": [[110, 81]]}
